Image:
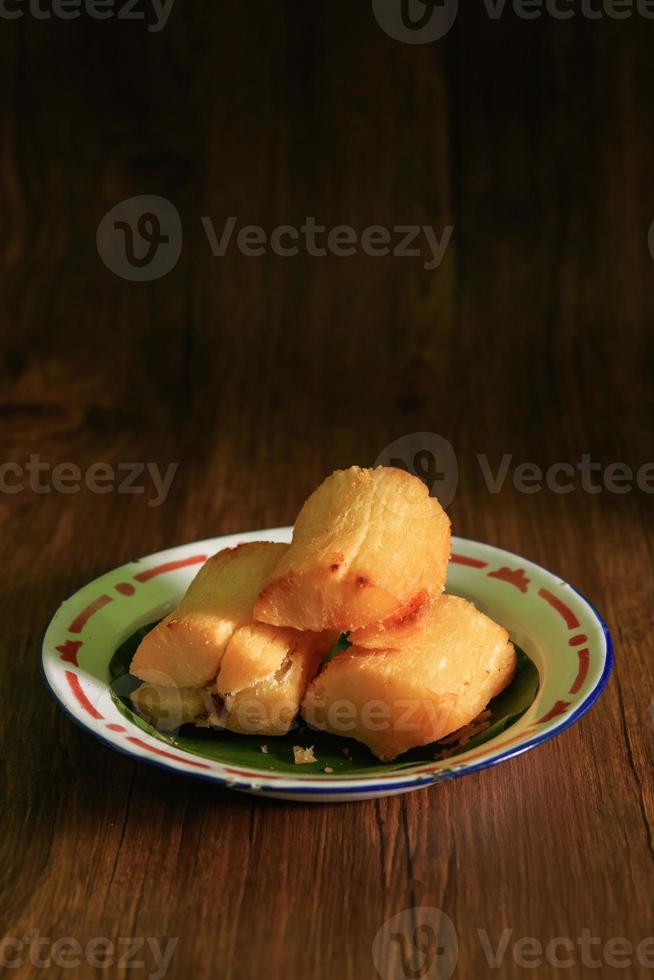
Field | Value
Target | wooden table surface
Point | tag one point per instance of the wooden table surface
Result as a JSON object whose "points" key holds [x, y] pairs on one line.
{"points": [[259, 376]]}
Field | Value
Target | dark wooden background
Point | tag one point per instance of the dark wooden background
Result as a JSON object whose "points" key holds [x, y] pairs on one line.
{"points": [[259, 376]]}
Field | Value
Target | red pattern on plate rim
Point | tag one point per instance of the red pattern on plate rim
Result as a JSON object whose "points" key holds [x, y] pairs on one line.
{"points": [[559, 708], [170, 566], [571, 620], [80, 696], [470, 562], [514, 576], [584, 667], [80, 621], [69, 651], [248, 773], [572, 623], [167, 755]]}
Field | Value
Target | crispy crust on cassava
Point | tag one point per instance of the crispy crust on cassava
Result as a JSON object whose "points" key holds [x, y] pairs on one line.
{"points": [[264, 675], [366, 545], [398, 629], [185, 649], [439, 681]]}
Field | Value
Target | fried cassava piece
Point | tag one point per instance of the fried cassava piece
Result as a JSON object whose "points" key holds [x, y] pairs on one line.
{"points": [[261, 682], [368, 546], [264, 676], [186, 648], [262, 672], [440, 680], [168, 708]]}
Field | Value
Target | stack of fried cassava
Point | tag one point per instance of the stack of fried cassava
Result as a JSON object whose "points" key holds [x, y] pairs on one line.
{"points": [[247, 649]]}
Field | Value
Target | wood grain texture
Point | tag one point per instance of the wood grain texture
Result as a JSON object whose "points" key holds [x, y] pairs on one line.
{"points": [[259, 376]]}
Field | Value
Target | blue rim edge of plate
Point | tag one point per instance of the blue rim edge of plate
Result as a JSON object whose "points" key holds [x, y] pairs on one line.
{"points": [[420, 782]]}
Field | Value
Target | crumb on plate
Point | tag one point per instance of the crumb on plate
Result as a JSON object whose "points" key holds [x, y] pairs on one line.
{"points": [[303, 756]]}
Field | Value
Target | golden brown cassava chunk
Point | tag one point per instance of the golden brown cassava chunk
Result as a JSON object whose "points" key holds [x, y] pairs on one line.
{"points": [[186, 648], [367, 545], [167, 708], [393, 700], [264, 676]]}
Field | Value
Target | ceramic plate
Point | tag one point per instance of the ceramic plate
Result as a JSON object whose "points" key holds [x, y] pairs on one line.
{"points": [[565, 661]]}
